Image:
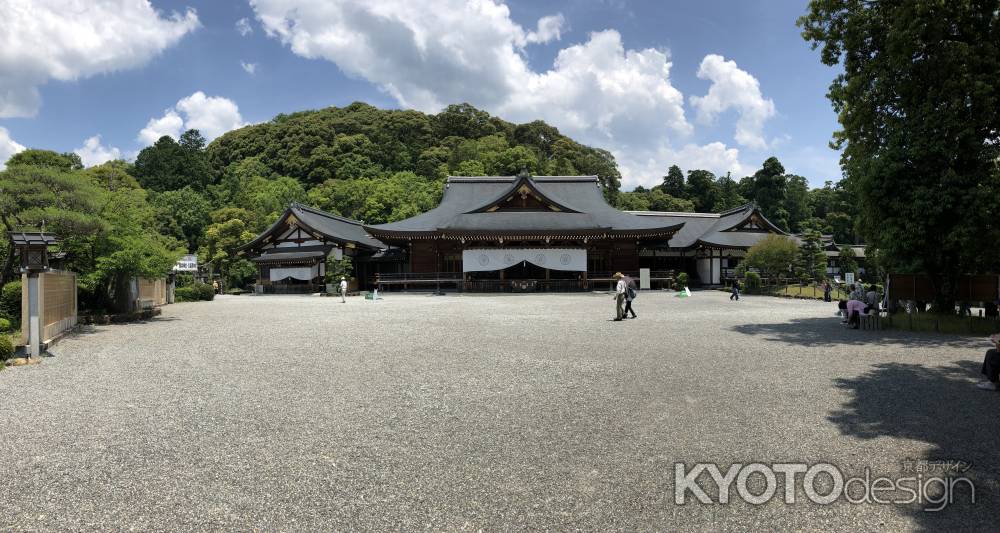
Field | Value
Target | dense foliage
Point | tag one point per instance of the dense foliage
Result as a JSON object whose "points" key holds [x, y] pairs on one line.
{"points": [[919, 104], [108, 229], [195, 292], [785, 199], [774, 255], [368, 164]]}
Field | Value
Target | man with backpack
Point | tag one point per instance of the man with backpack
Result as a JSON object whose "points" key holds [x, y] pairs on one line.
{"points": [[629, 296]]}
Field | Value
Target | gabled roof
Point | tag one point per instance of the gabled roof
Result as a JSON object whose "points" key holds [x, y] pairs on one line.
{"points": [[321, 224], [465, 209], [727, 229], [32, 238]]}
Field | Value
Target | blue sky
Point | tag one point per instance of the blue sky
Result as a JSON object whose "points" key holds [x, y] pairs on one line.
{"points": [[731, 82]]}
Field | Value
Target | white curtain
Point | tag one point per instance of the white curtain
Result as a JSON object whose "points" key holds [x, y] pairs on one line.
{"points": [[485, 259], [302, 273]]}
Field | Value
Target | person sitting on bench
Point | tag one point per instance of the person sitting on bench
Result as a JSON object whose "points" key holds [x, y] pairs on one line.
{"points": [[991, 366]]}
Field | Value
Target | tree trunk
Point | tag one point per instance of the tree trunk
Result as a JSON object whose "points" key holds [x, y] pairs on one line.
{"points": [[8, 264]]}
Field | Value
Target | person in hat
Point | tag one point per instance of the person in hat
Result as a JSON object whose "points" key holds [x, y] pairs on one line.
{"points": [[620, 289], [343, 290]]}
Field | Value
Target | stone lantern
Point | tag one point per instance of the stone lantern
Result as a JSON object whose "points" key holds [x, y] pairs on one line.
{"points": [[33, 247]]}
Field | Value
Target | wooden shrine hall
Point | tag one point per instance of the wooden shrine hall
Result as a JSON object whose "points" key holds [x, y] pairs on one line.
{"points": [[507, 233]]}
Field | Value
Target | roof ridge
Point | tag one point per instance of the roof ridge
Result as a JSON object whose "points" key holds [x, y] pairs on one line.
{"points": [[317, 211], [673, 214]]}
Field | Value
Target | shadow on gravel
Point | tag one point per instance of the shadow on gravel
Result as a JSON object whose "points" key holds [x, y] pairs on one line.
{"points": [[815, 332], [939, 406]]}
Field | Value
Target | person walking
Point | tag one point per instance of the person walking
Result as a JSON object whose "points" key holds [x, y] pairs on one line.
{"points": [[343, 290], [991, 366], [735, 291], [630, 295], [620, 288], [215, 286], [827, 291]]}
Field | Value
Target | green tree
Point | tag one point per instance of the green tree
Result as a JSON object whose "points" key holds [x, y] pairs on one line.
{"points": [[660, 201], [184, 214], [45, 158], [773, 255], [229, 230], [728, 194], [767, 188], [848, 260], [812, 258], [168, 165], [797, 202], [917, 100], [673, 182], [702, 190]]}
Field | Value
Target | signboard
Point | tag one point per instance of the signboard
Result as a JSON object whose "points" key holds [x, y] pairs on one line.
{"points": [[849, 276], [187, 263], [643, 278]]}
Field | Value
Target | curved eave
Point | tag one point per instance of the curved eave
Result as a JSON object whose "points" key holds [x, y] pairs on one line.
{"points": [[523, 180], [481, 235]]}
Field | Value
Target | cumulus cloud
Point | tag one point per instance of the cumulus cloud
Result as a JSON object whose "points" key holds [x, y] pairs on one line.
{"points": [[65, 40], [8, 147], [549, 29], [94, 153], [249, 68], [734, 88], [210, 115], [648, 167], [427, 54], [243, 27]]}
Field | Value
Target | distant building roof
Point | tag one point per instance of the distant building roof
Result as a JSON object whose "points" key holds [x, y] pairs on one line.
{"points": [[323, 225], [739, 227], [559, 204]]}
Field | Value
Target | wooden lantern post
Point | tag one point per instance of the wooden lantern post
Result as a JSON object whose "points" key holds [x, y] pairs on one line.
{"points": [[33, 247]]}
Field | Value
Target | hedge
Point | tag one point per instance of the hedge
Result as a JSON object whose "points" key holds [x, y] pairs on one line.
{"points": [[194, 293]]}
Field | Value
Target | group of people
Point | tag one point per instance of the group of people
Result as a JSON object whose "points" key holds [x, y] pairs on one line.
{"points": [[858, 302], [625, 293]]}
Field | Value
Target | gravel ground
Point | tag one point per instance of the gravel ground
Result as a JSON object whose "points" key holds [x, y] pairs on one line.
{"points": [[468, 412]]}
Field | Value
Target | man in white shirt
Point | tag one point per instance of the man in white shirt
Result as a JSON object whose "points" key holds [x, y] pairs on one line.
{"points": [[343, 290], [620, 296]]}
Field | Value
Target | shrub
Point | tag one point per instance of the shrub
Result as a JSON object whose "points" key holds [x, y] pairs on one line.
{"points": [[5, 325], [10, 301], [6, 348], [194, 293], [753, 280], [236, 291], [682, 281]]}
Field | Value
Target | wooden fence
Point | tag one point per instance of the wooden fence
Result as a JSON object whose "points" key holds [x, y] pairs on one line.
{"points": [[57, 304], [152, 292]]}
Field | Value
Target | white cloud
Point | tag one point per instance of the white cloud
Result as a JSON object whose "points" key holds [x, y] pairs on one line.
{"points": [[243, 27], [210, 115], [249, 68], [733, 88], [94, 153], [549, 29], [648, 167], [427, 54], [8, 147], [66, 40], [169, 124]]}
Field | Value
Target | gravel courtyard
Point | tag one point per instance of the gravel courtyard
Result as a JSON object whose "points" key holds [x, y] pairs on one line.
{"points": [[492, 412]]}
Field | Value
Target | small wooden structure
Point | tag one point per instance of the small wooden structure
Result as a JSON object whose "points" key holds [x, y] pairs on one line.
{"points": [[48, 297]]}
